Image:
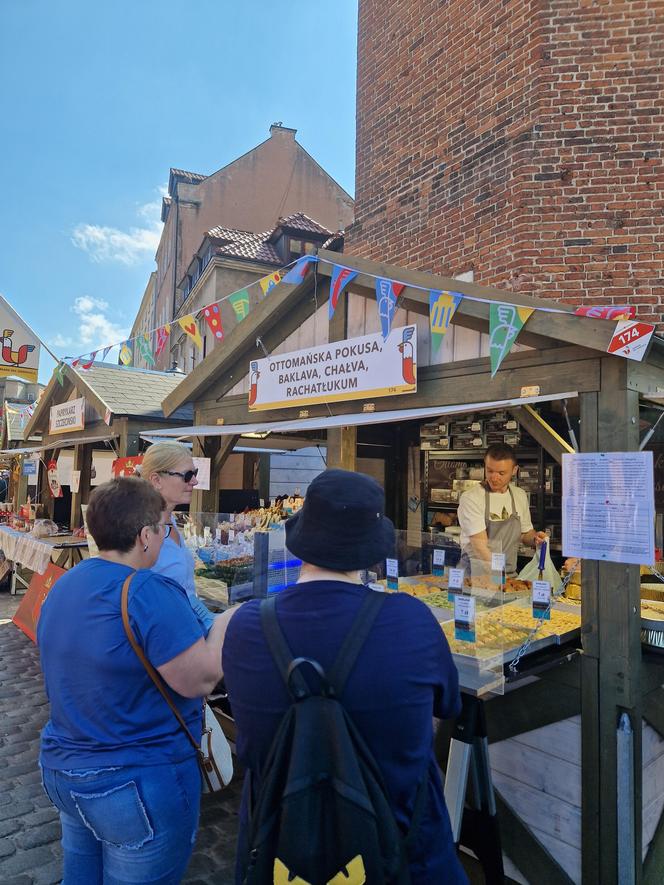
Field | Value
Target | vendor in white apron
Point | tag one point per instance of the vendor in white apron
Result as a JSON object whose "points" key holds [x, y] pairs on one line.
{"points": [[494, 516]]}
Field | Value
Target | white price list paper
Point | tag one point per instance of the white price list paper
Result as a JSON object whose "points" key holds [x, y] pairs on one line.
{"points": [[609, 507]]}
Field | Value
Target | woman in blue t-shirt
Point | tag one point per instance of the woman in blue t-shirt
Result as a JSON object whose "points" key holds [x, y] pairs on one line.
{"points": [[115, 761], [170, 468]]}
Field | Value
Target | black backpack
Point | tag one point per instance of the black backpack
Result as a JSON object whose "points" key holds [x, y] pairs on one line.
{"points": [[322, 815]]}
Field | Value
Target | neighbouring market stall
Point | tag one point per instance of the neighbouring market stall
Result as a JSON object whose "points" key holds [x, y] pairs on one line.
{"points": [[86, 419], [568, 769]]}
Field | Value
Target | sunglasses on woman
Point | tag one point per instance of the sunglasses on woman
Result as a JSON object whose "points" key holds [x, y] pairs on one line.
{"points": [[187, 476]]}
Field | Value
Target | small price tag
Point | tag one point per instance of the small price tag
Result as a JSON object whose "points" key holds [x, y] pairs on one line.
{"points": [[438, 567], [464, 618], [231, 535], [217, 533], [392, 572], [454, 582], [542, 600], [498, 569]]}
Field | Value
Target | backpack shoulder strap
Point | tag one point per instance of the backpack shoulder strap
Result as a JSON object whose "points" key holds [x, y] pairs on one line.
{"points": [[279, 649], [355, 639]]}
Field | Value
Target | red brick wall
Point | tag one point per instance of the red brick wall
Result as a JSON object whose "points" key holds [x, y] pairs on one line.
{"points": [[521, 139]]}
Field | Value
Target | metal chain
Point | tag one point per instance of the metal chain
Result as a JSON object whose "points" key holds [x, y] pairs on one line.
{"points": [[523, 648]]}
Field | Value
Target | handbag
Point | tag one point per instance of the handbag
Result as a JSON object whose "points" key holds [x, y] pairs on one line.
{"points": [[213, 753]]}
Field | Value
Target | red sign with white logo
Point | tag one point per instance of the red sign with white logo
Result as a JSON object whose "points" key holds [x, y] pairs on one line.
{"points": [[631, 339]]}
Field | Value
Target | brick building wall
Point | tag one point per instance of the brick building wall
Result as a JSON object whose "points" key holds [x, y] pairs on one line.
{"points": [[520, 139]]}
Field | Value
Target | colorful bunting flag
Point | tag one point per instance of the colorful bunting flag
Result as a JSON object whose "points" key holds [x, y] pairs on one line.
{"points": [[88, 362], [162, 337], [126, 356], [300, 269], [59, 369], [270, 281], [387, 294], [505, 323], [213, 319], [240, 304], [615, 312], [189, 326], [105, 352], [340, 278], [75, 362], [442, 307], [143, 342]]}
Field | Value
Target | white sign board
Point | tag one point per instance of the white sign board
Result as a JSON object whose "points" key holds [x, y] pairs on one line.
{"points": [[609, 507], [203, 476], [65, 467], [357, 368], [19, 346], [102, 467], [631, 339], [68, 416], [31, 470]]}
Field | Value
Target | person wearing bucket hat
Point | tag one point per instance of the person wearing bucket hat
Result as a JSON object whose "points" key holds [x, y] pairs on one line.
{"points": [[403, 676]]}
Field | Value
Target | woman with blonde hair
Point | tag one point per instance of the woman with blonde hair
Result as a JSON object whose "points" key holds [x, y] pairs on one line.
{"points": [[170, 469]]}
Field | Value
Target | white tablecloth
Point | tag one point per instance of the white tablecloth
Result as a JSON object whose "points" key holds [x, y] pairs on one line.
{"points": [[21, 547]]}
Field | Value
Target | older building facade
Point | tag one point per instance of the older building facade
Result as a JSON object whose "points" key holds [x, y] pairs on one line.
{"points": [[519, 141]]}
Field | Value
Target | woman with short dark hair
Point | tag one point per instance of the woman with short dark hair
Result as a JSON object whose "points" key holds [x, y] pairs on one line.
{"points": [[115, 761]]}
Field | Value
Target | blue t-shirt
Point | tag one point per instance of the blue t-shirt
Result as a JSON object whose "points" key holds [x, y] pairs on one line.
{"points": [[176, 561], [105, 709], [403, 677]]}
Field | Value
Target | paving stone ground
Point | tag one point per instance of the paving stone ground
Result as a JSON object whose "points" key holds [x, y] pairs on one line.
{"points": [[30, 852]]}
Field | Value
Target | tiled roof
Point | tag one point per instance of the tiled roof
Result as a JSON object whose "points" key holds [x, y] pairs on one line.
{"points": [[244, 244], [191, 177], [301, 222], [132, 391], [335, 242], [15, 426]]}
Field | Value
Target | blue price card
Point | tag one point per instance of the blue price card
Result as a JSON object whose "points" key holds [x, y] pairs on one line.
{"points": [[464, 618], [498, 569], [438, 565], [392, 572], [542, 600], [454, 582]]}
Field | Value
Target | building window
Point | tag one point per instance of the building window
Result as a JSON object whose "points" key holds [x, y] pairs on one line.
{"points": [[294, 249]]}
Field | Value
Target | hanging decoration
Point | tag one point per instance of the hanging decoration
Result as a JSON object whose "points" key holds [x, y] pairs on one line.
{"points": [[189, 326], [240, 304], [340, 278], [614, 312], [213, 319], [505, 323], [442, 307], [53, 481], [300, 269], [145, 349], [387, 294], [270, 281], [59, 369], [89, 361], [126, 356], [105, 352], [162, 334]]}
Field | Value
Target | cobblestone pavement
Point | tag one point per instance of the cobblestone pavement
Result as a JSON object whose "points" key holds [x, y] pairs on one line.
{"points": [[30, 851]]}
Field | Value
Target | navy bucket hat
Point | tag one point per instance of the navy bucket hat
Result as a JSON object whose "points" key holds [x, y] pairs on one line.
{"points": [[342, 523]]}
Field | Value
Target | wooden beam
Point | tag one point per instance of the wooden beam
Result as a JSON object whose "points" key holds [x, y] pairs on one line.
{"points": [[342, 447], [228, 443], [528, 854], [83, 463], [564, 326], [541, 432]]}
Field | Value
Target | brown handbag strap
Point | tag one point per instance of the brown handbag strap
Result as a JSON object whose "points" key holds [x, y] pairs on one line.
{"points": [[149, 669]]}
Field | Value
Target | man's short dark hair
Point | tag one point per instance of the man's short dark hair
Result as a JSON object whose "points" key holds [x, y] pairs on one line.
{"points": [[119, 509], [500, 452]]}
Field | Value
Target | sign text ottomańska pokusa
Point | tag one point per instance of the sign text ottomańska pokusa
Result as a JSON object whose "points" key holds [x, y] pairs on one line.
{"points": [[357, 368]]}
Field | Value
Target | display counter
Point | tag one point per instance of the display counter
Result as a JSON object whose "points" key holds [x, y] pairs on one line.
{"points": [[36, 553]]}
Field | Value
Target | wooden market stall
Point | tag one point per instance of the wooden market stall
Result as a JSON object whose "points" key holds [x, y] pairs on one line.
{"points": [[600, 820], [95, 412]]}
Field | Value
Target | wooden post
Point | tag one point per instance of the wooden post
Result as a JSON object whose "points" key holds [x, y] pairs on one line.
{"points": [[611, 665], [341, 441], [82, 462]]}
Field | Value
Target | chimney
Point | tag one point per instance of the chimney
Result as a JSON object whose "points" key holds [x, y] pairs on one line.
{"points": [[281, 130]]}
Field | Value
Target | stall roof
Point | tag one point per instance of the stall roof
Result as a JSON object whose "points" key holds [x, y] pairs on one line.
{"points": [[354, 420], [64, 443], [124, 390]]}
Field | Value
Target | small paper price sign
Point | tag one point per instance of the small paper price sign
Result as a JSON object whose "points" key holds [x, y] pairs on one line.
{"points": [[438, 567], [392, 571], [454, 582], [498, 568], [231, 535], [464, 618], [542, 600], [217, 533]]}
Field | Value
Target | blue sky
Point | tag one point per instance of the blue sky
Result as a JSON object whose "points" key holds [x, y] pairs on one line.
{"points": [[99, 100]]}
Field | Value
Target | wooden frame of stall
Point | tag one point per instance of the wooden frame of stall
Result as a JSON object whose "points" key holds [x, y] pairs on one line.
{"points": [[612, 675], [121, 432]]}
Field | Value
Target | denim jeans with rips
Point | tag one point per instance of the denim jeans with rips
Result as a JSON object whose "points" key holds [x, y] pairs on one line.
{"points": [[126, 825]]}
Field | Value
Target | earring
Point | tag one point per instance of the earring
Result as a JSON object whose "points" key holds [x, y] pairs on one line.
{"points": [[145, 549]]}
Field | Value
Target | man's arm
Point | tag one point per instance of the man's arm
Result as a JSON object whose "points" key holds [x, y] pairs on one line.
{"points": [[533, 538], [479, 544]]}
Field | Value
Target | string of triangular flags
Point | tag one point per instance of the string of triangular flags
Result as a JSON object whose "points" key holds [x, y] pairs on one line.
{"points": [[506, 320], [24, 413]]}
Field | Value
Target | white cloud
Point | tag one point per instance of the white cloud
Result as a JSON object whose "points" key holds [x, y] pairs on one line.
{"points": [[59, 340], [95, 328], [127, 247]]}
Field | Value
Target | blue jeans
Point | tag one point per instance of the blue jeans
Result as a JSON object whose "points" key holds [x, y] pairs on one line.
{"points": [[129, 825]]}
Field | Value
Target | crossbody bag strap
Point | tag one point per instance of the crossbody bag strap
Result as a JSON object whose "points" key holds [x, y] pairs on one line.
{"points": [[149, 669]]}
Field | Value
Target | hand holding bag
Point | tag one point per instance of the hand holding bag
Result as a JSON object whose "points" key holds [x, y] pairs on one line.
{"points": [[214, 752]]}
